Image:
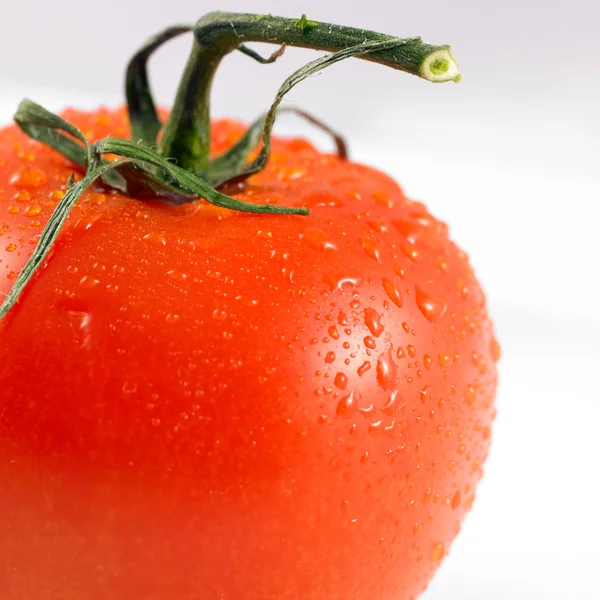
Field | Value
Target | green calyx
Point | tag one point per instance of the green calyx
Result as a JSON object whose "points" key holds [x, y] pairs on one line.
{"points": [[171, 161]]}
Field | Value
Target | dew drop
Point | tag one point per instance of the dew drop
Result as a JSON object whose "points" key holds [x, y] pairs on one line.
{"points": [[444, 360], [366, 366], [346, 407], [378, 226], [495, 349], [412, 351], [382, 198], [33, 211], [156, 238], [370, 342], [390, 406], [470, 395], [373, 321], [411, 252], [22, 196], [438, 552], [177, 275], [432, 308], [338, 281], [441, 264], [330, 357], [333, 332], [392, 291], [375, 426], [89, 282], [11, 247], [318, 239], [387, 370], [341, 381], [371, 249], [425, 394], [456, 500], [29, 178], [367, 411]]}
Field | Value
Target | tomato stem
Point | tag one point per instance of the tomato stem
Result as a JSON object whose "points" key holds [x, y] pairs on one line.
{"points": [[186, 135]]}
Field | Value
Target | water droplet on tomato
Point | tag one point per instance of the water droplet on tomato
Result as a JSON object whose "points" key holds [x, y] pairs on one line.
{"points": [[456, 500], [333, 332], [11, 247], [341, 381], [375, 426], [366, 366], [470, 395], [444, 360], [330, 357], [378, 226], [29, 178], [156, 238], [425, 394], [89, 282], [339, 281], [33, 210], [391, 289], [390, 406], [129, 387], [318, 239], [387, 370], [411, 252], [370, 342], [441, 264], [373, 321], [412, 351], [438, 552], [22, 196], [346, 407], [495, 349], [431, 307], [371, 249], [177, 275], [219, 315]]}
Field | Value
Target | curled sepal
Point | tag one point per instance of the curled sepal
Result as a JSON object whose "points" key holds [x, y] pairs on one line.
{"points": [[408, 45], [188, 181], [143, 117], [126, 177], [50, 233], [44, 126], [233, 163]]}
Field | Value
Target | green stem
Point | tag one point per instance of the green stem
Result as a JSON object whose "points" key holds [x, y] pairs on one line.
{"points": [[186, 135]]}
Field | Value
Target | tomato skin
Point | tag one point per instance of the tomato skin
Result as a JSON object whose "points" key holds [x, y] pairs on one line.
{"points": [[201, 404]]}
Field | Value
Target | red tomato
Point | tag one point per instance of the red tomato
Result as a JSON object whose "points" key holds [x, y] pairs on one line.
{"points": [[202, 404]]}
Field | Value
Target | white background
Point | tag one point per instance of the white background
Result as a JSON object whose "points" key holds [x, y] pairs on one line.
{"points": [[510, 157]]}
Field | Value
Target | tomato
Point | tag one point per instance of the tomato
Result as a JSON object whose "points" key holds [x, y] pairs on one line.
{"points": [[197, 403]]}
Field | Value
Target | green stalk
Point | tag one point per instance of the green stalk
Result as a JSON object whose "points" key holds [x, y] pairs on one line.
{"points": [[186, 135]]}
